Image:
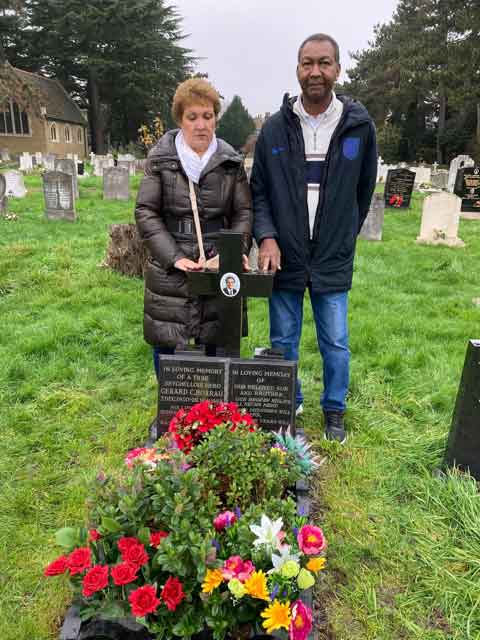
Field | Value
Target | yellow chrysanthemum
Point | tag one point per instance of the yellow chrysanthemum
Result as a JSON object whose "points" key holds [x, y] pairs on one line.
{"points": [[277, 616], [213, 579], [316, 564], [256, 586]]}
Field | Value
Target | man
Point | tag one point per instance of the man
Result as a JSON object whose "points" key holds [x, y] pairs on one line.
{"points": [[312, 181], [230, 290]]}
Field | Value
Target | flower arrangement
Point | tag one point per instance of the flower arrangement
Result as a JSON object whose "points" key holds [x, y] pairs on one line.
{"points": [[189, 427], [396, 200], [191, 536]]}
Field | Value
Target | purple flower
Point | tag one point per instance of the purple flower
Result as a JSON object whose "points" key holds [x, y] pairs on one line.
{"points": [[275, 590], [216, 544], [284, 594], [238, 513], [301, 510], [295, 531]]}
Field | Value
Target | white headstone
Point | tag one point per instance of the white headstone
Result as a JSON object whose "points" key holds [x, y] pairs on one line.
{"points": [[38, 157], [129, 165], [458, 163], [15, 184], [66, 165], [372, 228], [49, 162], [116, 184], [423, 175], [4, 155], [440, 218], [26, 163]]}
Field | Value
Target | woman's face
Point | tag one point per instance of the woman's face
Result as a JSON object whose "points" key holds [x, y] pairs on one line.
{"points": [[198, 126]]}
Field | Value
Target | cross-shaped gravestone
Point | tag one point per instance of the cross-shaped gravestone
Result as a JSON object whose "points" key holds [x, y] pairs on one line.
{"points": [[230, 285]]}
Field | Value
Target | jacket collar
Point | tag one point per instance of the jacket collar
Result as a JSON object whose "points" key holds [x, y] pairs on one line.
{"points": [[165, 149], [354, 113]]}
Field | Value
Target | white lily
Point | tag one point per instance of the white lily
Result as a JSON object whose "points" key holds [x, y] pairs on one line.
{"points": [[267, 532], [285, 556]]}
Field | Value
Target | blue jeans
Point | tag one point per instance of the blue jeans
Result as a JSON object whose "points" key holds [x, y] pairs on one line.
{"points": [[330, 314]]}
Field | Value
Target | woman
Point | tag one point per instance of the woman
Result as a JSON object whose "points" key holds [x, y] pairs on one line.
{"points": [[165, 219]]}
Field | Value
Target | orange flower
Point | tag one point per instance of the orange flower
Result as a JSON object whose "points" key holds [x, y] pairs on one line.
{"points": [[213, 579], [256, 586], [316, 564], [277, 616]]}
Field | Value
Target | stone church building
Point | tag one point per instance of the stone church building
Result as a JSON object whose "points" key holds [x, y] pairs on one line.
{"points": [[59, 126]]}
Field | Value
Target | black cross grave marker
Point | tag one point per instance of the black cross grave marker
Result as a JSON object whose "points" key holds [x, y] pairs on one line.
{"points": [[230, 285]]}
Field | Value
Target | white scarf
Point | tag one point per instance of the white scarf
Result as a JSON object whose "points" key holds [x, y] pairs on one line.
{"points": [[192, 164]]}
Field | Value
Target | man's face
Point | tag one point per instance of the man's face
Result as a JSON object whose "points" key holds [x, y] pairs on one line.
{"points": [[317, 70], [230, 283]]}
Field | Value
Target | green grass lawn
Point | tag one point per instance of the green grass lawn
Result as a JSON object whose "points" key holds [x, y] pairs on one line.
{"points": [[77, 390]]}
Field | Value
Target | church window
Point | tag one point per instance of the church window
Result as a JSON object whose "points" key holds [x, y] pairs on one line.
{"points": [[13, 121]]}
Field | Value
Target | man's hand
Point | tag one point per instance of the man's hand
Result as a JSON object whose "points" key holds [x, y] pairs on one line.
{"points": [[245, 263], [184, 264], [269, 255]]}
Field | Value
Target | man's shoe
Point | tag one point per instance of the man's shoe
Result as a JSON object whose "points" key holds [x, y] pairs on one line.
{"points": [[335, 426], [299, 410]]}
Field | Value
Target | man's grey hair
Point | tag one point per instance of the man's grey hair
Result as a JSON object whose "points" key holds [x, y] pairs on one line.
{"points": [[321, 37]]}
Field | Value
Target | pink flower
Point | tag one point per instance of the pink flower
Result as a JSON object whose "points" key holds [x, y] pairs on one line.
{"points": [[235, 567], [224, 520], [311, 540], [301, 622], [134, 453]]}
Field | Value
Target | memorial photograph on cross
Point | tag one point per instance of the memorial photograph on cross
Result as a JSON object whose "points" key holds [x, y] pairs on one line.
{"points": [[240, 310]]}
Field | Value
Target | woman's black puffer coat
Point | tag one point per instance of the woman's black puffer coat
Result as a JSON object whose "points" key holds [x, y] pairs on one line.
{"points": [[165, 223]]}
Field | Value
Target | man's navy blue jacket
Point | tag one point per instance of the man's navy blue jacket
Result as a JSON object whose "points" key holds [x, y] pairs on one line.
{"points": [[279, 190]]}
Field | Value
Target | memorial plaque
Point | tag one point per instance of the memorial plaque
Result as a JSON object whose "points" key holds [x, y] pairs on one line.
{"points": [[116, 184], [467, 186], [66, 165], [15, 184], [58, 193], [186, 380], [398, 188], [463, 448], [266, 388]]}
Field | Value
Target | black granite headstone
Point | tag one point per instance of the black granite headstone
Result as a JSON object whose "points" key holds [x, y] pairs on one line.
{"points": [[463, 447], [266, 388], [398, 188], [467, 186]]}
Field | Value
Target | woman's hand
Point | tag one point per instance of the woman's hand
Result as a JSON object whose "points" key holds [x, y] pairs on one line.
{"points": [[184, 264], [246, 264]]}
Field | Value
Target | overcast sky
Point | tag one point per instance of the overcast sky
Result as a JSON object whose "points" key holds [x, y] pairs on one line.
{"points": [[249, 46]]}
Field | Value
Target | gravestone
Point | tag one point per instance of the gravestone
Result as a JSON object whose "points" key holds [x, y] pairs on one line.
{"points": [[129, 165], [440, 219], [26, 163], [440, 179], [3, 197], [49, 162], [58, 190], [457, 163], [4, 155], [15, 184], [140, 164], [38, 158], [423, 175], [265, 386], [398, 188], [463, 447], [65, 165], [467, 187], [116, 184], [372, 228]]}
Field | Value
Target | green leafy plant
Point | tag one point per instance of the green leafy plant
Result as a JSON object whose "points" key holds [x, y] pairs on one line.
{"points": [[243, 467]]}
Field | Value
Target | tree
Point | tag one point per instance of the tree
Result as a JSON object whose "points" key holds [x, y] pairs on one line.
{"points": [[122, 59], [236, 124]]}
